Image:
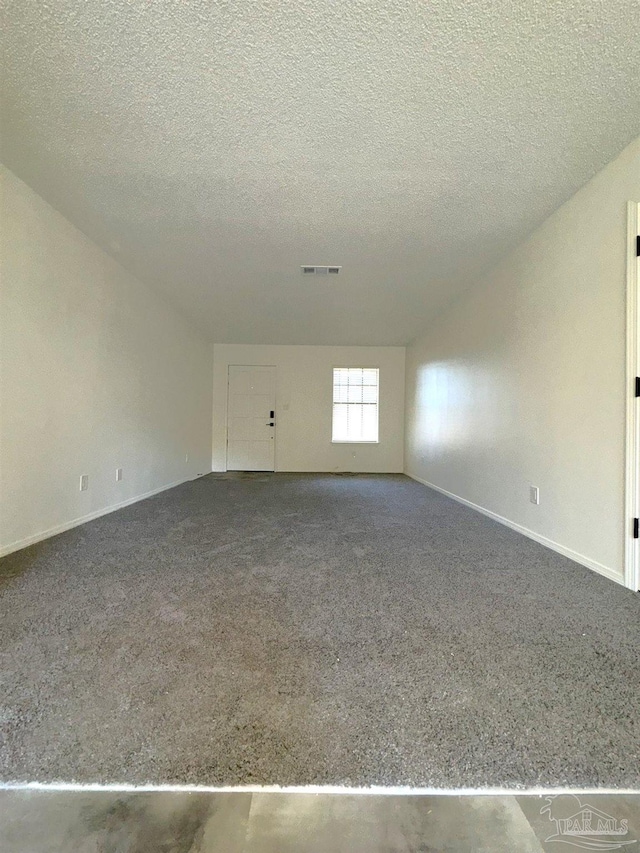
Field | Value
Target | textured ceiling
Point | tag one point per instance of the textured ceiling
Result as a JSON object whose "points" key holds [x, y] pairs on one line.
{"points": [[213, 146]]}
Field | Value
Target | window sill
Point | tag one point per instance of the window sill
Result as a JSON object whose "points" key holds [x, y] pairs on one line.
{"points": [[352, 441]]}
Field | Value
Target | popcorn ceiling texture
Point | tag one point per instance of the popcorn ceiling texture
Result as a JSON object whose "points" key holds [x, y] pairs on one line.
{"points": [[213, 147]]}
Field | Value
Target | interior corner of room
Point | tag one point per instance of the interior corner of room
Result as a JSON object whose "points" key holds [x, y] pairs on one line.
{"points": [[528, 379]]}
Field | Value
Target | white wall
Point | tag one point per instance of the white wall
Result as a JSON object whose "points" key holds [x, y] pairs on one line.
{"points": [[96, 372], [522, 380], [304, 406]]}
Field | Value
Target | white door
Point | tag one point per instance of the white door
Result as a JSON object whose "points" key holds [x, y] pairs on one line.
{"points": [[251, 410], [632, 503]]}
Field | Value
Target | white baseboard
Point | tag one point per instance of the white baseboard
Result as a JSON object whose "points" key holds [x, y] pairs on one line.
{"points": [[537, 537], [68, 525]]}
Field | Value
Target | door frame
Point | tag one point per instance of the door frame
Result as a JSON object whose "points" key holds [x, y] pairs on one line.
{"points": [[226, 420], [632, 455]]}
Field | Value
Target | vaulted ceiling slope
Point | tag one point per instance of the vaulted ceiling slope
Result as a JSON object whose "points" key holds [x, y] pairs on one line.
{"points": [[215, 146]]}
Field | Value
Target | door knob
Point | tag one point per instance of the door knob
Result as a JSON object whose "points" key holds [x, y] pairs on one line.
{"points": [[270, 424]]}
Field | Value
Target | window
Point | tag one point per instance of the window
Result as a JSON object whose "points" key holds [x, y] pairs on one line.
{"points": [[355, 404]]}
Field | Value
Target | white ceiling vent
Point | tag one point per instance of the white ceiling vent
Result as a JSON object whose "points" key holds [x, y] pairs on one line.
{"points": [[316, 270]]}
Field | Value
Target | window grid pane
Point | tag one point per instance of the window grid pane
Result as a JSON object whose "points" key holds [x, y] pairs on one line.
{"points": [[355, 404]]}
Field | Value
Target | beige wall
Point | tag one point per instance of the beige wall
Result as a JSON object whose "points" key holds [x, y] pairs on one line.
{"points": [[97, 372], [304, 406], [522, 380]]}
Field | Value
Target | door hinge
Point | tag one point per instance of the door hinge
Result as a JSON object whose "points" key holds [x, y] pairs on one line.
{"points": [[638, 246], [636, 528], [637, 386]]}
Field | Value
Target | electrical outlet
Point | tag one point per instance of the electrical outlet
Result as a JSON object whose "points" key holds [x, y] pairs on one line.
{"points": [[534, 494], [84, 482], [118, 474], [186, 457]]}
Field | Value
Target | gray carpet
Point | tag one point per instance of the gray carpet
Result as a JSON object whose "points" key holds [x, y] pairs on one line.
{"points": [[295, 629]]}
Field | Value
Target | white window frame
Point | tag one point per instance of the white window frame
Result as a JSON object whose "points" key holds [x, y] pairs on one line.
{"points": [[377, 404]]}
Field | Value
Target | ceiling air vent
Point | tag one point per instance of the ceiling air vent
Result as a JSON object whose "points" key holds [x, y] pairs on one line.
{"points": [[320, 270]]}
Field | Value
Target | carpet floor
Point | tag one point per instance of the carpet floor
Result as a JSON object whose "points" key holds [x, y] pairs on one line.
{"points": [[314, 629]]}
